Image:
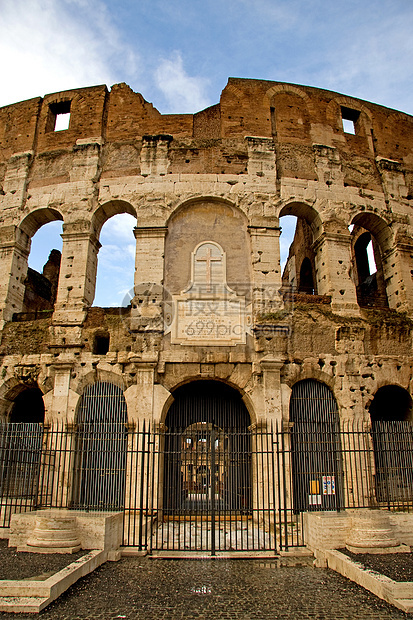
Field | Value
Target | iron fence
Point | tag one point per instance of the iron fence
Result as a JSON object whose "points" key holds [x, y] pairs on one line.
{"points": [[204, 488]]}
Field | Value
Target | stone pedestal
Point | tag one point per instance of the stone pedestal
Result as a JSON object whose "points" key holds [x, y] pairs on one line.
{"points": [[53, 533], [371, 532]]}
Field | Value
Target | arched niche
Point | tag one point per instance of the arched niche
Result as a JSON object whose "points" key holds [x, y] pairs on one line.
{"points": [[207, 220]]}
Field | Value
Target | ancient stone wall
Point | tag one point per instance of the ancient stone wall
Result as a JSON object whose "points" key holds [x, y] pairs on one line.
{"points": [[209, 191]]}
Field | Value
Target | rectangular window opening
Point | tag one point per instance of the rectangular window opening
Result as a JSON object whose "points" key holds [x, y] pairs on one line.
{"points": [[349, 118], [59, 116]]}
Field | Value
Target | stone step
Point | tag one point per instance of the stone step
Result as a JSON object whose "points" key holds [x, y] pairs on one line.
{"points": [[405, 604], [23, 604]]}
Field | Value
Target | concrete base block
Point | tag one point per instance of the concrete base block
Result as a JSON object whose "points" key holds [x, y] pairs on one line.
{"points": [[379, 550], [399, 594], [31, 596], [29, 549], [95, 530]]}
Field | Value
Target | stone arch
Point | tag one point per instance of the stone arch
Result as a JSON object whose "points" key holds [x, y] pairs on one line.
{"points": [[314, 416], [305, 211], [290, 113], [306, 282], [207, 438], [196, 221], [391, 402], [12, 388], [294, 90], [391, 431], [37, 291], [245, 397], [37, 218], [334, 118], [107, 210], [370, 287], [308, 228], [95, 376]]}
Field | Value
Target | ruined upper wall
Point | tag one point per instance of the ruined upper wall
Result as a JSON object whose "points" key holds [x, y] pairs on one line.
{"points": [[211, 141]]}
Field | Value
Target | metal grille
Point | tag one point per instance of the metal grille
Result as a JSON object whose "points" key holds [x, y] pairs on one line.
{"points": [[249, 507], [101, 444], [316, 449]]}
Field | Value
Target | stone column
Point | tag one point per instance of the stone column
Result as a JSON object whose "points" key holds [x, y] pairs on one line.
{"points": [[77, 278], [272, 389], [148, 295], [266, 270], [332, 261], [397, 265], [14, 252]]}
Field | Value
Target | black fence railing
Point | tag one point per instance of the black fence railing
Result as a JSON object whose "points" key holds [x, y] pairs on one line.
{"points": [[206, 488]]}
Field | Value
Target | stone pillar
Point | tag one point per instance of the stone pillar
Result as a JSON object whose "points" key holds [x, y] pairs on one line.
{"points": [[150, 249], [14, 252], [397, 265], [148, 295], [60, 401], [266, 274], [272, 389], [332, 260], [140, 397], [77, 278]]}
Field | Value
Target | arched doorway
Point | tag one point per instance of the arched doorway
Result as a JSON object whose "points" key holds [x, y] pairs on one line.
{"points": [[392, 435], [21, 447], [315, 446], [207, 450], [217, 474], [101, 445]]}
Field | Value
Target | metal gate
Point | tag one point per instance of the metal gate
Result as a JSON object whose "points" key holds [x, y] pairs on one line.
{"points": [[316, 448], [101, 447], [214, 487], [203, 489]]}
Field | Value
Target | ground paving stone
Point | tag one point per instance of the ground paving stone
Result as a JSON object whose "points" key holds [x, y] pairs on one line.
{"points": [[148, 589]]}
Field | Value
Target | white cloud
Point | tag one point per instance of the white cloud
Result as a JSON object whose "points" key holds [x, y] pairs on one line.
{"points": [[183, 94], [118, 227], [52, 45]]}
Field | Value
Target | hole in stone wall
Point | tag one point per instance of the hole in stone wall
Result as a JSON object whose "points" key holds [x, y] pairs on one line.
{"points": [[349, 119], [59, 116]]}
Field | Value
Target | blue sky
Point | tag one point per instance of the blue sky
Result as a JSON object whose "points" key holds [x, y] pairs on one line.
{"points": [[179, 55]]}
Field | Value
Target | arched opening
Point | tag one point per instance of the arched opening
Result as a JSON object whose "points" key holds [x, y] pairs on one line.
{"points": [[101, 444], [207, 450], [306, 280], [21, 445], [299, 226], [367, 234], [43, 229], [392, 435], [28, 407], [116, 261], [315, 445]]}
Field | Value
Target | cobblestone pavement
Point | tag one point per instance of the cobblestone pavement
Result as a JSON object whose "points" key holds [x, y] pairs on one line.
{"points": [[142, 588]]}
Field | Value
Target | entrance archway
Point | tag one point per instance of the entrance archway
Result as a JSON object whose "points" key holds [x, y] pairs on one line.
{"points": [[315, 446], [392, 435], [21, 446], [101, 445], [207, 450]]}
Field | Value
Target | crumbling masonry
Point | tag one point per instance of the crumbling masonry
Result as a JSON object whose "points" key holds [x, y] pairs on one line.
{"points": [[209, 191]]}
